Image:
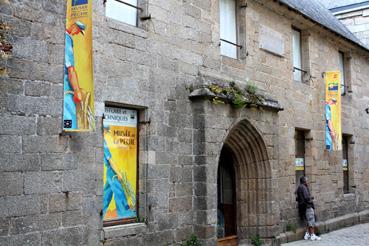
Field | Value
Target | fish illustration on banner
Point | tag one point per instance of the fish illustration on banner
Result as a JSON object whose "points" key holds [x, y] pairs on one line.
{"points": [[120, 163], [78, 106], [333, 128]]}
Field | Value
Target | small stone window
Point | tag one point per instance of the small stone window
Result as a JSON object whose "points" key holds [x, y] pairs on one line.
{"points": [[122, 10], [230, 32], [120, 146], [300, 55], [347, 163], [299, 155], [344, 68]]}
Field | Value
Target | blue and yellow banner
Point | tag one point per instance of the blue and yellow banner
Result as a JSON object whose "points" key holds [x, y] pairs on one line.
{"points": [[78, 109], [120, 163], [333, 129]]}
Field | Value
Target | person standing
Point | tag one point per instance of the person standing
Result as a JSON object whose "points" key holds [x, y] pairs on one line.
{"points": [[306, 208]]}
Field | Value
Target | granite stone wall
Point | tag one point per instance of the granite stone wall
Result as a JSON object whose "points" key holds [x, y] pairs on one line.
{"points": [[52, 182], [357, 22]]}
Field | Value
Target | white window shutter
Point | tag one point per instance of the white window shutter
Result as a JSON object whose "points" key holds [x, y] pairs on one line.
{"points": [[296, 52], [228, 29], [342, 71]]}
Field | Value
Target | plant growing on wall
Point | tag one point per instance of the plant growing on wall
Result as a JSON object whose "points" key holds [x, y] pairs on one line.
{"points": [[192, 241], [255, 240], [235, 96], [5, 45]]}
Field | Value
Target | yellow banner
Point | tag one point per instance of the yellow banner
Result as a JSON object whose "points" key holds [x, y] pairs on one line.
{"points": [[333, 129], [120, 163], [78, 110]]}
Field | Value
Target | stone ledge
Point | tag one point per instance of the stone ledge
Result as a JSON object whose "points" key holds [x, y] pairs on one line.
{"points": [[326, 226], [120, 26], [123, 230], [206, 94]]}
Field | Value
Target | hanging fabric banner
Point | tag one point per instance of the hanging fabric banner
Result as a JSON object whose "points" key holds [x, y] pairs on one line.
{"points": [[120, 163], [78, 110], [333, 131]]}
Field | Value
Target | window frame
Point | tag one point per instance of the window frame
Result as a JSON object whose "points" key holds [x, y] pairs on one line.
{"points": [[133, 219], [300, 135], [346, 58], [236, 44], [124, 2], [304, 56], [300, 69], [342, 68]]}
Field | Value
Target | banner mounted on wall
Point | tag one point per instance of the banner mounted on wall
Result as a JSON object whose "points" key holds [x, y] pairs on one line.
{"points": [[78, 110], [333, 129], [120, 163]]}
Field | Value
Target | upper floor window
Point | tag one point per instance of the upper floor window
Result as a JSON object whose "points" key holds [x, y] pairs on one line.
{"points": [[297, 55], [228, 28], [342, 71], [122, 10]]}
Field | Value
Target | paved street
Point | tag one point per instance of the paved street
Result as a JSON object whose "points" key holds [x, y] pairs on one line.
{"points": [[351, 236]]}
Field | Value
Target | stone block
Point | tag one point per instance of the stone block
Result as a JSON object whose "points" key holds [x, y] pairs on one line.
{"points": [[12, 183], [159, 171], [25, 205], [43, 144], [4, 227], [52, 162], [53, 7], [124, 230], [124, 241], [27, 224], [183, 189], [42, 182], [19, 68], [64, 236], [34, 105], [11, 86], [36, 88], [25, 162], [30, 49], [15, 125], [73, 218], [180, 204], [32, 239], [10, 144], [77, 180], [364, 216], [59, 202]]}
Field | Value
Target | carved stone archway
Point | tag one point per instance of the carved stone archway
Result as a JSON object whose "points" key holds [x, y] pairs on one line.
{"points": [[253, 180]]}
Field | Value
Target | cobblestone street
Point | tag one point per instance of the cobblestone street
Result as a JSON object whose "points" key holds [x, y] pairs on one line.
{"points": [[350, 236]]}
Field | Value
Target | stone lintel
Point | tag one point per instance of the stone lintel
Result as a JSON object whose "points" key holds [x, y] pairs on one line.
{"points": [[205, 94]]}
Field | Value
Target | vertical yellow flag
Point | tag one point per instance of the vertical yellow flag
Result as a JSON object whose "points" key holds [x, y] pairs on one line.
{"points": [[78, 110], [333, 129]]}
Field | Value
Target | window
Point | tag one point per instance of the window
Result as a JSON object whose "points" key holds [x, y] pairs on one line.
{"points": [[120, 165], [299, 155], [297, 55], [342, 71], [345, 164], [122, 10], [228, 29]]}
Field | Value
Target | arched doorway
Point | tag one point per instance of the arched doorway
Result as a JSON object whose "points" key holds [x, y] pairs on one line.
{"points": [[226, 208], [245, 151]]}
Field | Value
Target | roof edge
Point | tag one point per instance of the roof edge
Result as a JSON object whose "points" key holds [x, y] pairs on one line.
{"points": [[320, 24]]}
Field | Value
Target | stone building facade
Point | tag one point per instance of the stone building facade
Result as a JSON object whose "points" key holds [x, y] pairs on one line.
{"points": [[52, 182], [355, 17]]}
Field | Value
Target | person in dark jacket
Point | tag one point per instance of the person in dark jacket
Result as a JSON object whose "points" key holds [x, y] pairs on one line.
{"points": [[306, 208]]}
